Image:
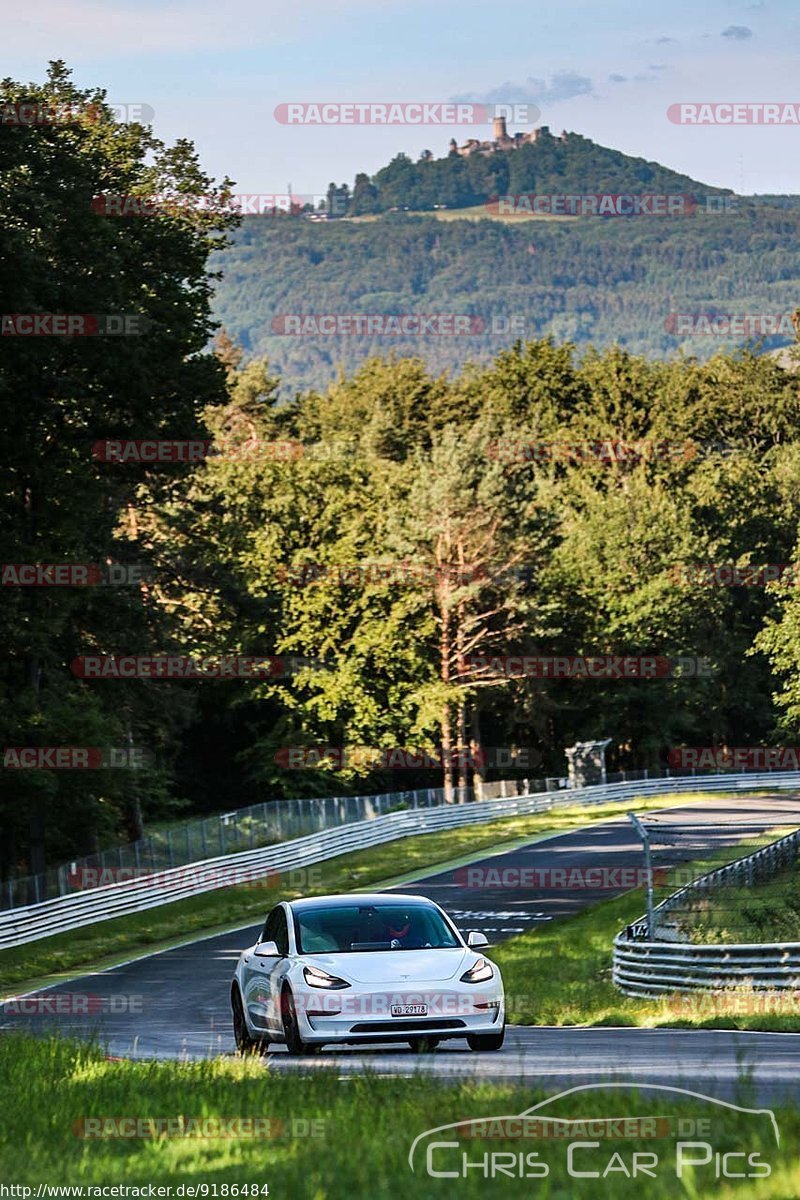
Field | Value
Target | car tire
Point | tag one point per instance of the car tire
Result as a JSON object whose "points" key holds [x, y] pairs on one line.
{"points": [[423, 1045], [291, 1032], [245, 1043], [486, 1041]]}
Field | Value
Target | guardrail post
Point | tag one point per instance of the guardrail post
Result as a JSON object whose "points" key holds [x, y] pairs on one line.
{"points": [[648, 866]]}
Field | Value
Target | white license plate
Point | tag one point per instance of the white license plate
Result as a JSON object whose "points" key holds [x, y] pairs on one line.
{"points": [[409, 1010]]}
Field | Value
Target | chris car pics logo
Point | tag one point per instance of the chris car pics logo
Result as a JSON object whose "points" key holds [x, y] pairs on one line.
{"points": [[671, 1139]]}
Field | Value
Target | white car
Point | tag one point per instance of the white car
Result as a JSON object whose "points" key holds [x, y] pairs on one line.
{"points": [[365, 968]]}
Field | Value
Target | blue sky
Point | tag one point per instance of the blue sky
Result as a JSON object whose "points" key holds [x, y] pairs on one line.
{"points": [[607, 70]]}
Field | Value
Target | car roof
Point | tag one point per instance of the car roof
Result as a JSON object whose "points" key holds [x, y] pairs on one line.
{"points": [[351, 898]]}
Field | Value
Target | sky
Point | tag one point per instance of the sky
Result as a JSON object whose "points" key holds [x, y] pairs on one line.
{"points": [[609, 71]]}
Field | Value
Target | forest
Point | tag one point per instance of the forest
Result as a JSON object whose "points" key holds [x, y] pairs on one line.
{"points": [[394, 538]]}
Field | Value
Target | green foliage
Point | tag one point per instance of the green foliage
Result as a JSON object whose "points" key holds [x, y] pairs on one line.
{"points": [[58, 395], [594, 281], [394, 466]]}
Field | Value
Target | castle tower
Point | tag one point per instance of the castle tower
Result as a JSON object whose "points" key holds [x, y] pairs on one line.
{"points": [[499, 129]]}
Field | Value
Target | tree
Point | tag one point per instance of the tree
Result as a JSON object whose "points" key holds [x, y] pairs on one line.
{"points": [[58, 396]]}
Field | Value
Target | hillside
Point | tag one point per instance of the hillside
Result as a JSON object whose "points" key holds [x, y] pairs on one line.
{"points": [[599, 280], [568, 163]]}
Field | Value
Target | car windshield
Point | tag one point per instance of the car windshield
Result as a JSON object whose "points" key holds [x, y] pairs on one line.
{"points": [[342, 929]]}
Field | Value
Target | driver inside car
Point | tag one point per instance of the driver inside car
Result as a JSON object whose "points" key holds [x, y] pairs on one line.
{"points": [[403, 930]]}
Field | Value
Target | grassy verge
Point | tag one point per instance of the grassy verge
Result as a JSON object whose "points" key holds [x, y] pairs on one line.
{"points": [[477, 212], [766, 912], [99, 945], [348, 1139], [560, 974]]}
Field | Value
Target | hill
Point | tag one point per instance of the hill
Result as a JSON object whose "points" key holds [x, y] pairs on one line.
{"points": [[589, 279], [551, 165]]}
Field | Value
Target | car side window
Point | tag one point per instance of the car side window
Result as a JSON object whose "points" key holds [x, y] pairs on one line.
{"points": [[270, 926], [276, 930], [281, 936]]}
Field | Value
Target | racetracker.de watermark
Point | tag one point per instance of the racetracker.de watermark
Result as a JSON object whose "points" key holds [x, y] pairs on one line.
{"points": [[74, 324], [716, 324], [735, 758], [194, 450], [197, 1128], [410, 112], [37, 112], [593, 204], [154, 204], [709, 574], [403, 758], [168, 666], [574, 666], [75, 758], [602, 450], [396, 325], [71, 1004], [740, 112], [556, 879], [72, 574], [252, 878], [380, 574]]}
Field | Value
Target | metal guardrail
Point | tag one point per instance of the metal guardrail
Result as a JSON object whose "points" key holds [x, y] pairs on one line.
{"points": [[668, 965], [226, 833], [65, 913], [253, 826]]}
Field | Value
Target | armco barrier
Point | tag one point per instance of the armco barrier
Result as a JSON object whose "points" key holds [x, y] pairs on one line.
{"points": [[653, 968], [64, 913], [249, 828]]}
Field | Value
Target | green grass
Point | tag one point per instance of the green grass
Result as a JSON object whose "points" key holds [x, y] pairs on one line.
{"points": [[560, 974], [476, 212], [100, 944], [347, 1139], [766, 912]]}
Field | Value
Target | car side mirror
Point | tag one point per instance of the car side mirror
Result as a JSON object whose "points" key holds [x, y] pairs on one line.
{"points": [[267, 950], [475, 939]]}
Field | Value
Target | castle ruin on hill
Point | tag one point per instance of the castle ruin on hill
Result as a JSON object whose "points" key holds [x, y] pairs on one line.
{"points": [[502, 140]]}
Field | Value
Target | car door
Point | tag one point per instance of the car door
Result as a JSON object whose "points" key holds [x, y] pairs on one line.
{"points": [[278, 967], [265, 973]]}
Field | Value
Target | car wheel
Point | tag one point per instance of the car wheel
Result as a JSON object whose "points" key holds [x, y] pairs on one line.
{"points": [[245, 1044], [486, 1041], [423, 1045], [294, 1042]]}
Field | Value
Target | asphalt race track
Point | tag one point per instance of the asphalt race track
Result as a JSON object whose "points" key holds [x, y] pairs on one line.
{"points": [[174, 1004]]}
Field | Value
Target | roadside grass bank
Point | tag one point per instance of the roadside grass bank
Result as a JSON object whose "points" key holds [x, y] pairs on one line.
{"points": [[325, 1139], [764, 912], [102, 944], [560, 974]]}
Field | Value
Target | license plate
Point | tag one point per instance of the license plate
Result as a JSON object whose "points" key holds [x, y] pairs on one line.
{"points": [[409, 1010]]}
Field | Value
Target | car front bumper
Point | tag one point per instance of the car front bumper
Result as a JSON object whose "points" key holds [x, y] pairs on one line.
{"points": [[367, 1015]]}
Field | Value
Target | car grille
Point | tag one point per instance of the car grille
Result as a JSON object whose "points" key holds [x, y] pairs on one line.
{"points": [[414, 1024]]}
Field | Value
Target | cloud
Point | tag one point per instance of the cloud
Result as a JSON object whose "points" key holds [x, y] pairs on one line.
{"points": [[641, 78], [662, 41], [737, 33], [563, 85]]}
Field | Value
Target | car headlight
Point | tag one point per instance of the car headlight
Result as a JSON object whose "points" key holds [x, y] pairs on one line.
{"points": [[479, 973], [321, 979]]}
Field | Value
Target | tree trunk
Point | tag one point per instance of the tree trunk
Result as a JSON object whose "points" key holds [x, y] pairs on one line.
{"points": [[476, 755], [443, 589]]}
